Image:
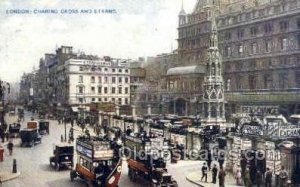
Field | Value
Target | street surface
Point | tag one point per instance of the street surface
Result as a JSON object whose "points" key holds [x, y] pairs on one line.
{"points": [[33, 163]]}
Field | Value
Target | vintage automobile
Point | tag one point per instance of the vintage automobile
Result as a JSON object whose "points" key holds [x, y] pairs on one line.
{"points": [[98, 162], [63, 156], [14, 130], [43, 127], [30, 137], [162, 178]]}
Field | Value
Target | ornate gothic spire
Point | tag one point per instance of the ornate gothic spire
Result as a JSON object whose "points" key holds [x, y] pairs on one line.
{"points": [[213, 96]]}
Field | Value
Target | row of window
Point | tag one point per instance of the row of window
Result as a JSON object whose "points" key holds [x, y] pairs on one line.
{"points": [[266, 81], [105, 79], [262, 64], [256, 14], [105, 99], [105, 90], [95, 68], [241, 49], [184, 85], [268, 28], [195, 30]]}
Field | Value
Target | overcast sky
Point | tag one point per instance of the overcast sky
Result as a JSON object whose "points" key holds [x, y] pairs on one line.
{"points": [[139, 28]]}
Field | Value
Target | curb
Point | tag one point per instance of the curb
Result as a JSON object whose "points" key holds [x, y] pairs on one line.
{"points": [[8, 176], [192, 181]]}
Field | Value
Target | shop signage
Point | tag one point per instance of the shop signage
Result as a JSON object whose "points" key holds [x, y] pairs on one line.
{"points": [[156, 143], [289, 131], [158, 132], [273, 128], [180, 139], [246, 144], [259, 109], [270, 145], [249, 129], [277, 167]]}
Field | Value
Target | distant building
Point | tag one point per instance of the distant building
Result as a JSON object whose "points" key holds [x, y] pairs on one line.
{"points": [[28, 90], [68, 81], [97, 81], [137, 79]]}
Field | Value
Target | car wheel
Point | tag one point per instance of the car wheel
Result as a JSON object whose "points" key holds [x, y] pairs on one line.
{"points": [[57, 167]]}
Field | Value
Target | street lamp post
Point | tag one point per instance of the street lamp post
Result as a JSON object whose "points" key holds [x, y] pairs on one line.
{"points": [[65, 123]]}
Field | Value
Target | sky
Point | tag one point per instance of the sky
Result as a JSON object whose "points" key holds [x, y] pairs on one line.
{"points": [[139, 28]]}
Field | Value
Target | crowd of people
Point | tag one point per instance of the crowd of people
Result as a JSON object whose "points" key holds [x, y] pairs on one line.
{"points": [[245, 175]]}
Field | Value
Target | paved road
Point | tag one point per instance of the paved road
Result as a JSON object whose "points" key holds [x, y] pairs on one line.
{"points": [[33, 163]]}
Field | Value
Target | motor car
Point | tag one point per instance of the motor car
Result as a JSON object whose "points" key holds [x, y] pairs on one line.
{"points": [[62, 156], [43, 127], [30, 137]]}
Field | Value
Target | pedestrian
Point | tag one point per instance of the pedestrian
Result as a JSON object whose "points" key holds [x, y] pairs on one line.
{"points": [[238, 177], [82, 127], [204, 172], [214, 174], [7, 135], [87, 133], [71, 135], [72, 122], [268, 178], [10, 146], [98, 129], [247, 179], [2, 134], [259, 178], [253, 171], [209, 159], [222, 176], [283, 176], [221, 159], [243, 163]]}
